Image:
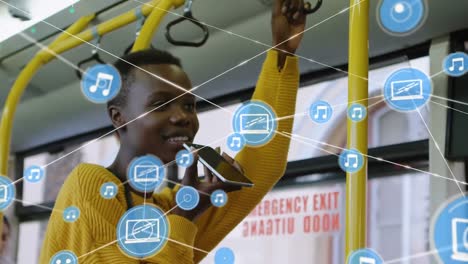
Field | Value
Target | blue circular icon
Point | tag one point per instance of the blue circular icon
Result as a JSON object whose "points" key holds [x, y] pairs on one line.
{"points": [[33, 174], [71, 214], [456, 64], [320, 112], [219, 198], [407, 89], [235, 142], [7, 192], [401, 17], [109, 190], [184, 158], [101, 83], [187, 198], [256, 121], [357, 112], [449, 231], [365, 255], [64, 257], [146, 173], [224, 256], [142, 231], [351, 160]]}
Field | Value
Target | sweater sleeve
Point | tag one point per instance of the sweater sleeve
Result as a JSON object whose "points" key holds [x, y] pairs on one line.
{"points": [[263, 165], [60, 235], [179, 245]]}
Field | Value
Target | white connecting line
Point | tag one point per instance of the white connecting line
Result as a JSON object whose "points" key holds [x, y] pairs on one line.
{"points": [[221, 107], [162, 79], [440, 152], [115, 241], [305, 139]]}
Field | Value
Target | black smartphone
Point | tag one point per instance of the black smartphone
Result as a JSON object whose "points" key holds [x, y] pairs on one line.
{"points": [[219, 166]]}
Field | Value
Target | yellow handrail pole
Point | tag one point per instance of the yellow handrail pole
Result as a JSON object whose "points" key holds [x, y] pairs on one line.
{"points": [[356, 183], [63, 43], [152, 22], [76, 28], [104, 28], [19, 86], [15, 94]]}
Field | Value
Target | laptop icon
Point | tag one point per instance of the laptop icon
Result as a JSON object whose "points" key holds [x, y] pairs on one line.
{"points": [[406, 90], [460, 239], [3, 193], [254, 124], [146, 173], [142, 231]]}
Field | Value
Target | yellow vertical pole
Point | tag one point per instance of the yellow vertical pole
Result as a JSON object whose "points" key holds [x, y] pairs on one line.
{"points": [[356, 183]]}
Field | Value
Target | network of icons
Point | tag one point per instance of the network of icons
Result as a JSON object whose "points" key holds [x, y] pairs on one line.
{"points": [[142, 231], [357, 112], [146, 173], [456, 64], [235, 142], [401, 17], [184, 158], [450, 231], [219, 198], [71, 214], [407, 89], [109, 190], [64, 257], [351, 160], [33, 174], [7, 192], [256, 121], [224, 255], [101, 83], [320, 112], [187, 198], [364, 256]]}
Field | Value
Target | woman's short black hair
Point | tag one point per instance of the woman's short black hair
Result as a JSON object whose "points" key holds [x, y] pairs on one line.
{"points": [[126, 67]]}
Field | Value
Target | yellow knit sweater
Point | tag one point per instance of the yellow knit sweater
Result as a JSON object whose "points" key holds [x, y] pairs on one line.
{"points": [[93, 236]]}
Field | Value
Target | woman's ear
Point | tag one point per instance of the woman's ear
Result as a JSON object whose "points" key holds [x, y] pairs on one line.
{"points": [[116, 116]]}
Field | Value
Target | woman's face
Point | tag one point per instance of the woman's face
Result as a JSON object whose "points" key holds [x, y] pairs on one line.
{"points": [[174, 121]]}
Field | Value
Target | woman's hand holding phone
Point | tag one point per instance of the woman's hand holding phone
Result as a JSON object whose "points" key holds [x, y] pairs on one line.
{"points": [[205, 187]]}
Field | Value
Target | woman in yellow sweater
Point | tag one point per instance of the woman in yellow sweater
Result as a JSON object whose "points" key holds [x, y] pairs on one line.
{"points": [[192, 234]]}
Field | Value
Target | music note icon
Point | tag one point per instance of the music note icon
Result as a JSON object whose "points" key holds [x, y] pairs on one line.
{"points": [[351, 158], [321, 108], [109, 191], [357, 112], [456, 61], [34, 174], [219, 198], [71, 214], [104, 82], [235, 142], [184, 159], [320, 112]]}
